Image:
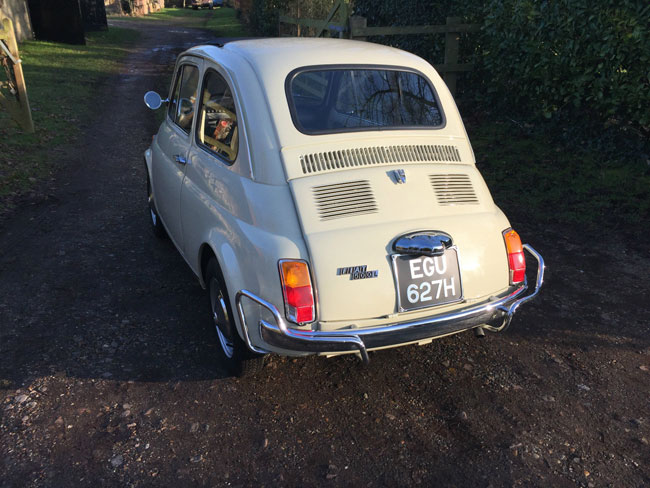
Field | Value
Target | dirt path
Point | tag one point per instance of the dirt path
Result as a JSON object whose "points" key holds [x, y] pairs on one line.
{"points": [[108, 373]]}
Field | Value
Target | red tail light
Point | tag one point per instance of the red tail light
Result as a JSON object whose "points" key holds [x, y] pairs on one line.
{"points": [[297, 291], [516, 260]]}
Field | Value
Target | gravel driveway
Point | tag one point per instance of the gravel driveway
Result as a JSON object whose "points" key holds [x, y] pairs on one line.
{"points": [[108, 374]]}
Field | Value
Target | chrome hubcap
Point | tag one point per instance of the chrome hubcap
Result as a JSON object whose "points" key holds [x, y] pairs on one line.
{"points": [[220, 318]]}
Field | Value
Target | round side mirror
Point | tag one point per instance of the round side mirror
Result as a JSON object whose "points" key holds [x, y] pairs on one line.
{"points": [[152, 100]]}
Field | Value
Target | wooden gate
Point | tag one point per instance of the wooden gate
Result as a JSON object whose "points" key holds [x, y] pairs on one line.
{"points": [[13, 92], [355, 27]]}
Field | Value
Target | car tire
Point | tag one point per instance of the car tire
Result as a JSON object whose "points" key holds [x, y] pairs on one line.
{"points": [[233, 352], [156, 224]]}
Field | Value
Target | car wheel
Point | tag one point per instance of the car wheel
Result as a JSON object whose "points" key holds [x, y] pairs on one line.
{"points": [[156, 224], [235, 356]]}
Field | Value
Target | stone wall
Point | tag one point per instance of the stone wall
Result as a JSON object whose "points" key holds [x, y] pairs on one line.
{"points": [[144, 7], [17, 11]]}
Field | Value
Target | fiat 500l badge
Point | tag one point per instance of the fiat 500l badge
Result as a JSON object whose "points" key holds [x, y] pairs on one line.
{"points": [[357, 272]]}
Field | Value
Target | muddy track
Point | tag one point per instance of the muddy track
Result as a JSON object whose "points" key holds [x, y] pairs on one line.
{"points": [[108, 373]]}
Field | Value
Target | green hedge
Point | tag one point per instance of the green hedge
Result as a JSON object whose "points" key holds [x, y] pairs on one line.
{"points": [[588, 57], [564, 58], [262, 15]]}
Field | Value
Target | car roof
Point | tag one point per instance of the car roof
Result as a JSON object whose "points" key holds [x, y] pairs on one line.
{"points": [[273, 56], [259, 67]]}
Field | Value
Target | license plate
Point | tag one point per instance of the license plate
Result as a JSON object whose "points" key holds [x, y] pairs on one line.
{"points": [[424, 281]]}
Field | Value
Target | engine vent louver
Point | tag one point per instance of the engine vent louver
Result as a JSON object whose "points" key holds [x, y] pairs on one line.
{"points": [[344, 199], [350, 158], [453, 189]]}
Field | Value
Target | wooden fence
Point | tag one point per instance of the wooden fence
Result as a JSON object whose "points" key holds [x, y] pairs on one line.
{"points": [[15, 102], [317, 27], [355, 27]]}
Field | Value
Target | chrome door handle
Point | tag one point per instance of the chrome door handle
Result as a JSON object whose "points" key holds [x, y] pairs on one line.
{"points": [[180, 159]]}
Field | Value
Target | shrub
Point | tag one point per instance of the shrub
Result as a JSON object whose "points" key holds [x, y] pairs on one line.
{"points": [[262, 15], [569, 57]]}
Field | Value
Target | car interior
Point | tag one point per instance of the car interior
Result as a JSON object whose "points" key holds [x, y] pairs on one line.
{"points": [[217, 129]]}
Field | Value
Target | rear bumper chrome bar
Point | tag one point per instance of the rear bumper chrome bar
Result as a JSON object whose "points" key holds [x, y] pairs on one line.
{"points": [[494, 316]]}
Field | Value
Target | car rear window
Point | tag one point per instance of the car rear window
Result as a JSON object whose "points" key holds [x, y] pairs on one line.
{"points": [[351, 99]]}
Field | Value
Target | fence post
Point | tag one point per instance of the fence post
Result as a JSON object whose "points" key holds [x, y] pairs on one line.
{"points": [[23, 114], [298, 30], [451, 54], [357, 22], [344, 15], [336, 8]]}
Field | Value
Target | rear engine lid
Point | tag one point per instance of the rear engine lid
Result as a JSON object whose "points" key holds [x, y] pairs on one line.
{"points": [[352, 215]]}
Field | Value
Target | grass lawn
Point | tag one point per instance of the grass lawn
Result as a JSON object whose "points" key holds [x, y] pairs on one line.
{"points": [[222, 21], [60, 79]]}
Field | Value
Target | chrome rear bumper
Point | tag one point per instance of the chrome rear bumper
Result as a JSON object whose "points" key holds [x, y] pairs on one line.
{"points": [[494, 316]]}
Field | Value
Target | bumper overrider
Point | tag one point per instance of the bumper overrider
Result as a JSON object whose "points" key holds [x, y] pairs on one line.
{"points": [[494, 316]]}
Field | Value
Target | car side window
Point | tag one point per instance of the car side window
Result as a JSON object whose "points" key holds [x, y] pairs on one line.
{"points": [[217, 129], [173, 102], [181, 107]]}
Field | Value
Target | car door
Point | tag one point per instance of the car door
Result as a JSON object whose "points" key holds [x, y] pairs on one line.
{"points": [[213, 195], [174, 140]]}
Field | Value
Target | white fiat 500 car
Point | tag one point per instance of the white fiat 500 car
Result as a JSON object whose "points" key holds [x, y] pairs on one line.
{"points": [[325, 193]]}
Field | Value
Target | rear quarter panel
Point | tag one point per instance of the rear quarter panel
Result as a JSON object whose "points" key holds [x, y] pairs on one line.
{"points": [[248, 225]]}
